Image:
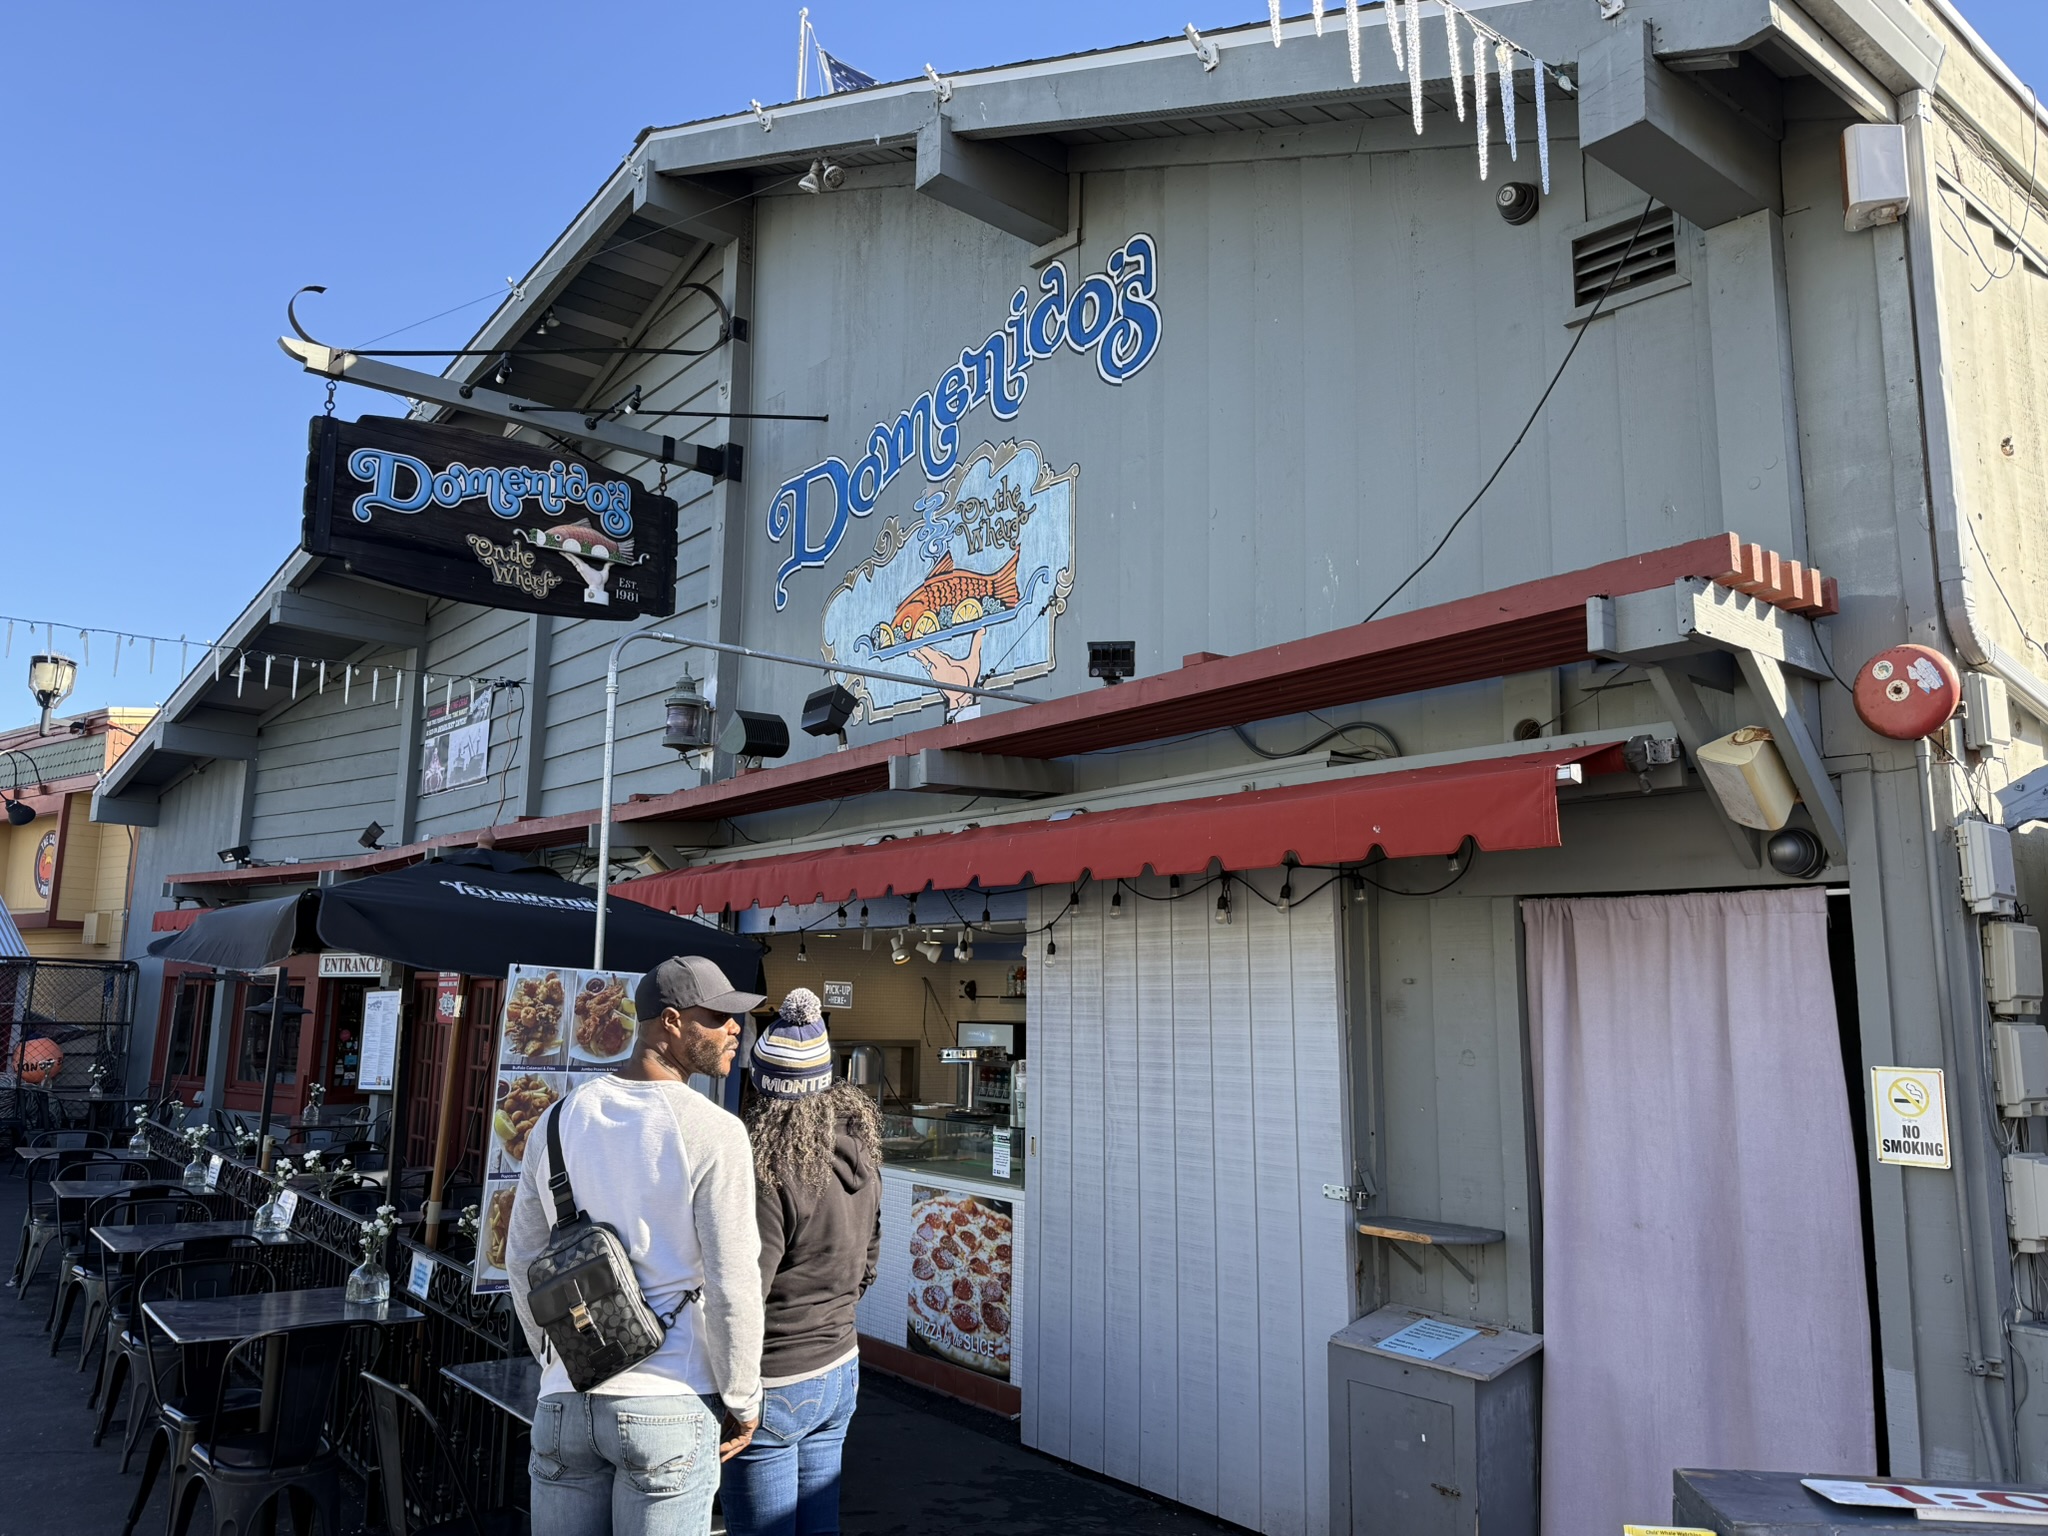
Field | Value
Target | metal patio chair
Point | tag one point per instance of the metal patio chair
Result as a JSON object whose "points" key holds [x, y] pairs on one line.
{"points": [[177, 1390], [285, 1454], [40, 1225], [87, 1276]]}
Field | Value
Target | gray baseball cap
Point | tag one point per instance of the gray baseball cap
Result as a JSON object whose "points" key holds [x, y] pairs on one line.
{"points": [[691, 981]]}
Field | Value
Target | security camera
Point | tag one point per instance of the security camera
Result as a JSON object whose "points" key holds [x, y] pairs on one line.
{"points": [[1517, 202]]}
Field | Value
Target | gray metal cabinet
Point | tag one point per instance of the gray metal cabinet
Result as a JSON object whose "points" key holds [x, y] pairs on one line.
{"points": [[1433, 1446]]}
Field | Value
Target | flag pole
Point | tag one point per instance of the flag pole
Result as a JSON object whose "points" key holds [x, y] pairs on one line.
{"points": [[803, 49]]}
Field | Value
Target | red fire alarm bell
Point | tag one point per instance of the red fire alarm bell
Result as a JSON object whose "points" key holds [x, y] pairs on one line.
{"points": [[1907, 692]]}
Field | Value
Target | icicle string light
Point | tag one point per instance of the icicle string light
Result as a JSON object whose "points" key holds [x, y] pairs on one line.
{"points": [[1403, 20], [1415, 61], [1479, 99], [1504, 60], [1457, 59], [279, 671]]}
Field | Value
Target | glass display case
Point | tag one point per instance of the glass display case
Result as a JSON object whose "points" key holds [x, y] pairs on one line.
{"points": [[946, 1142]]}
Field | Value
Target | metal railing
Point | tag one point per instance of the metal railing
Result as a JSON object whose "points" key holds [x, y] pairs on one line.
{"points": [[487, 1447]]}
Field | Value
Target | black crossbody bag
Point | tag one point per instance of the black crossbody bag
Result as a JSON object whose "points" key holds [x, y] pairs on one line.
{"points": [[582, 1291]]}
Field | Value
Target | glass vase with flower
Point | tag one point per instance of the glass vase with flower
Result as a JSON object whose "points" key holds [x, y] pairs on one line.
{"points": [[369, 1282], [138, 1136], [196, 1139], [273, 1216]]}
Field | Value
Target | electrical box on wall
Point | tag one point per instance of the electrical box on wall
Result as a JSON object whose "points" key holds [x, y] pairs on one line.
{"points": [[1987, 714], [2012, 969], [1989, 886], [2026, 1200], [1874, 186], [2019, 1054], [2030, 1349]]}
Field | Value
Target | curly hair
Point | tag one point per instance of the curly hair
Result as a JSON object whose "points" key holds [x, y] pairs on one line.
{"points": [[793, 1137]]}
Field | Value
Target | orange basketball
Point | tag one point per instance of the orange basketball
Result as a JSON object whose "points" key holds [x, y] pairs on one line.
{"points": [[37, 1061]]}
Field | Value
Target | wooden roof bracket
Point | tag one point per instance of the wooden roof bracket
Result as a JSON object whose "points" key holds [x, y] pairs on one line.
{"points": [[1681, 635]]}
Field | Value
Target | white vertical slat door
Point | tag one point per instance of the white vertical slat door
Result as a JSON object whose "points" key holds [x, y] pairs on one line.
{"points": [[1184, 1272]]}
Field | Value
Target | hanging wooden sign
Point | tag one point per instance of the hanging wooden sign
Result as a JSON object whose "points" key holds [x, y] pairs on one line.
{"points": [[487, 520]]}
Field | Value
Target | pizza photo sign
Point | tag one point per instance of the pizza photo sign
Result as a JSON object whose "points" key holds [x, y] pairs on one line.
{"points": [[960, 1247]]}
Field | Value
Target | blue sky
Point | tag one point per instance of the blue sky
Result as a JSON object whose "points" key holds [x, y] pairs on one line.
{"points": [[175, 172]]}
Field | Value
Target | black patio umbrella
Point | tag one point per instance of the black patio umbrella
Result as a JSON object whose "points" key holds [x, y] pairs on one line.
{"points": [[479, 912]]}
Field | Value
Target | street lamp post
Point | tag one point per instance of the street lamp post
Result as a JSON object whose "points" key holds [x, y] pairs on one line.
{"points": [[611, 717]]}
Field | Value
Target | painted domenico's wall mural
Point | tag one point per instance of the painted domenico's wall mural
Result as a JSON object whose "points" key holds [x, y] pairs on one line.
{"points": [[970, 593], [967, 581]]}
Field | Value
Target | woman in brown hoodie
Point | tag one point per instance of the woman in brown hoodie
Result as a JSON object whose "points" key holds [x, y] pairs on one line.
{"points": [[818, 1185]]}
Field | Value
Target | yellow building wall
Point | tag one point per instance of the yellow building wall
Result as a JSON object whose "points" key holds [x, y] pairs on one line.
{"points": [[92, 877]]}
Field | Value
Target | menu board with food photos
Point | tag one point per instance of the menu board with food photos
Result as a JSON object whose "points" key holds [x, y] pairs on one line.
{"points": [[558, 1026]]}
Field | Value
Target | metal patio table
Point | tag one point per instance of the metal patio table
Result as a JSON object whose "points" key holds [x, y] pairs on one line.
{"points": [[227, 1320], [510, 1386], [69, 1109], [230, 1319], [127, 1242]]}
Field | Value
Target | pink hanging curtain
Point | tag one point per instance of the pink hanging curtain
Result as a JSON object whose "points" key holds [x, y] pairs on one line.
{"points": [[1703, 1282]]}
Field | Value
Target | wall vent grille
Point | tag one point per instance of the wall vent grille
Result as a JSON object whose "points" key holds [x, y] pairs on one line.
{"points": [[1595, 256]]}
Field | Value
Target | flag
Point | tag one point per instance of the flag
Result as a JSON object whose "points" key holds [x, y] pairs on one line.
{"points": [[842, 77]]}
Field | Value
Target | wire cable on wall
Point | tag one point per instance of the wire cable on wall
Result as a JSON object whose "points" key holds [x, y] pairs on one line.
{"points": [[1649, 204]]}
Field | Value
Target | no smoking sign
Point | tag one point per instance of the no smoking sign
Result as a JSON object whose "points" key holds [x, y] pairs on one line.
{"points": [[1911, 1119]]}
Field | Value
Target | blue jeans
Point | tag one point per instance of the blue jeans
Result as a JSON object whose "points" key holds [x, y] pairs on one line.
{"points": [[628, 1466], [786, 1483]]}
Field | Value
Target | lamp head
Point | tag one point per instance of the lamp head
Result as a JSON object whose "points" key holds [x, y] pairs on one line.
{"points": [[371, 836], [19, 813], [50, 681], [1112, 660], [686, 715]]}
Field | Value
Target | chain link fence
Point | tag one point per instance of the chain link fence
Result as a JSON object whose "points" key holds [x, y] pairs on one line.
{"points": [[65, 1026]]}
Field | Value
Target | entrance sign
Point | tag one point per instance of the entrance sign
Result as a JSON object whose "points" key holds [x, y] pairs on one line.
{"points": [[487, 520], [1108, 315], [1911, 1116], [351, 967], [380, 1042], [2002, 1506]]}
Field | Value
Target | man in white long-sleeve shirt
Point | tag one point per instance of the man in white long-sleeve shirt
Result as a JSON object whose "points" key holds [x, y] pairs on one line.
{"points": [[673, 1175]]}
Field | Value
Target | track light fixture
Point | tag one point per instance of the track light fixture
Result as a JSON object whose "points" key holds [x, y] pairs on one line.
{"points": [[898, 954], [931, 948]]}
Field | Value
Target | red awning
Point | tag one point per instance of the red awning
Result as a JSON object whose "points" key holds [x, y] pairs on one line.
{"points": [[1500, 803]]}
